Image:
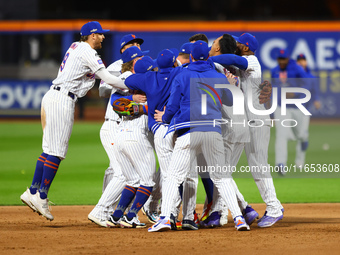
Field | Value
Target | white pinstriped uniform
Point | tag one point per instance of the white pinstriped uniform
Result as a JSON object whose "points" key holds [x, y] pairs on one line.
{"points": [[59, 111], [134, 150], [76, 75], [186, 149], [257, 149], [135, 153], [164, 146], [234, 137], [112, 192], [109, 128], [114, 180]]}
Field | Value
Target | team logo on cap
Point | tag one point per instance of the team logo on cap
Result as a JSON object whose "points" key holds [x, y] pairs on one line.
{"points": [[94, 30]]}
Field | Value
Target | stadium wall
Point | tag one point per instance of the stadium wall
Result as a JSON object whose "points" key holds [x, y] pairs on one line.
{"points": [[319, 41]]}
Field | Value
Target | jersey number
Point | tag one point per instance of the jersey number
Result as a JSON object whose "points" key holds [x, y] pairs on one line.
{"points": [[64, 61]]}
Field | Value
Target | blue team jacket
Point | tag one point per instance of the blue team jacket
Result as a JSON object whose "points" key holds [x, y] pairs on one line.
{"points": [[184, 108], [156, 86]]}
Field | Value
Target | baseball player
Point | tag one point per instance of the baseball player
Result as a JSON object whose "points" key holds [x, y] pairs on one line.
{"points": [[112, 119], [195, 133], [184, 54], [257, 149], [159, 93], [135, 154], [113, 177], [75, 77], [232, 137], [156, 86], [207, 182], [284, 75], [197, 37]]}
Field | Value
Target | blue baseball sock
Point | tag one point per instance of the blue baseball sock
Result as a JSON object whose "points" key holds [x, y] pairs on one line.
{"points": [[50, 169], [209, 188], [142, 195], [180, 189], [304, 146], [127, 195], [39, 169]]}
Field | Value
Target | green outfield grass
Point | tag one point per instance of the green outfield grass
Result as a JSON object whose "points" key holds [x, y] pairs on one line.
{"points": [[79, 178]]}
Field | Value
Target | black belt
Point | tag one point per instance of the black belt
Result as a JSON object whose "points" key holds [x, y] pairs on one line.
{"points": [[113, 120], [70, 94]]}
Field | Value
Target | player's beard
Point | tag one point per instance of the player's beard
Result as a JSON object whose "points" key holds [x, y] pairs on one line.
{"points": [[98, 45]]}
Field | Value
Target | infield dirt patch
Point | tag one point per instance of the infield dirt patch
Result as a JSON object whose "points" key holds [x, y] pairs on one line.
{"points": [[305, 229]]}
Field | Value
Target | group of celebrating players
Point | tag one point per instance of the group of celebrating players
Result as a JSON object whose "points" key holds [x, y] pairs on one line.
{"points": [[169, 106]]}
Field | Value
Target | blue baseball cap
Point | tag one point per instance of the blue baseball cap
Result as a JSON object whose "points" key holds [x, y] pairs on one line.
{"points": [[129, 38], [132, 53], [301, 56], [186, 48], [249, 40], [92, 27], [175, 51], [283, 53], [200, 50], [144, 64], [166, 58]]}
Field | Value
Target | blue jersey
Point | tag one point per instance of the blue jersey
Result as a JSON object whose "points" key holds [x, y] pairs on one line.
{"points": [[156, 86], [292, 76], [184, 108]]}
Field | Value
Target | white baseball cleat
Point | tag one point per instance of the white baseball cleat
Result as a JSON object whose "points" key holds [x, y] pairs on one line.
{"points": [[26, 197], [97, 221], [41, 206], [241, 224], [112, 223], [133, 223], [162, 224]]}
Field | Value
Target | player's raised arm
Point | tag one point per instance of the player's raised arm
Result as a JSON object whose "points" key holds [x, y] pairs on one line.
{"points": [[231, 59], [110, 79]]}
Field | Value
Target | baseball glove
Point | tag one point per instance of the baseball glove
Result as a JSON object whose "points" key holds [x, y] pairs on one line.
{"points": [[265, 92], [126, 107]]}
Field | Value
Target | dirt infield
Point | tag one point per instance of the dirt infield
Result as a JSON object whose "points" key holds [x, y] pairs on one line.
{"points": [[305, 229]]}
